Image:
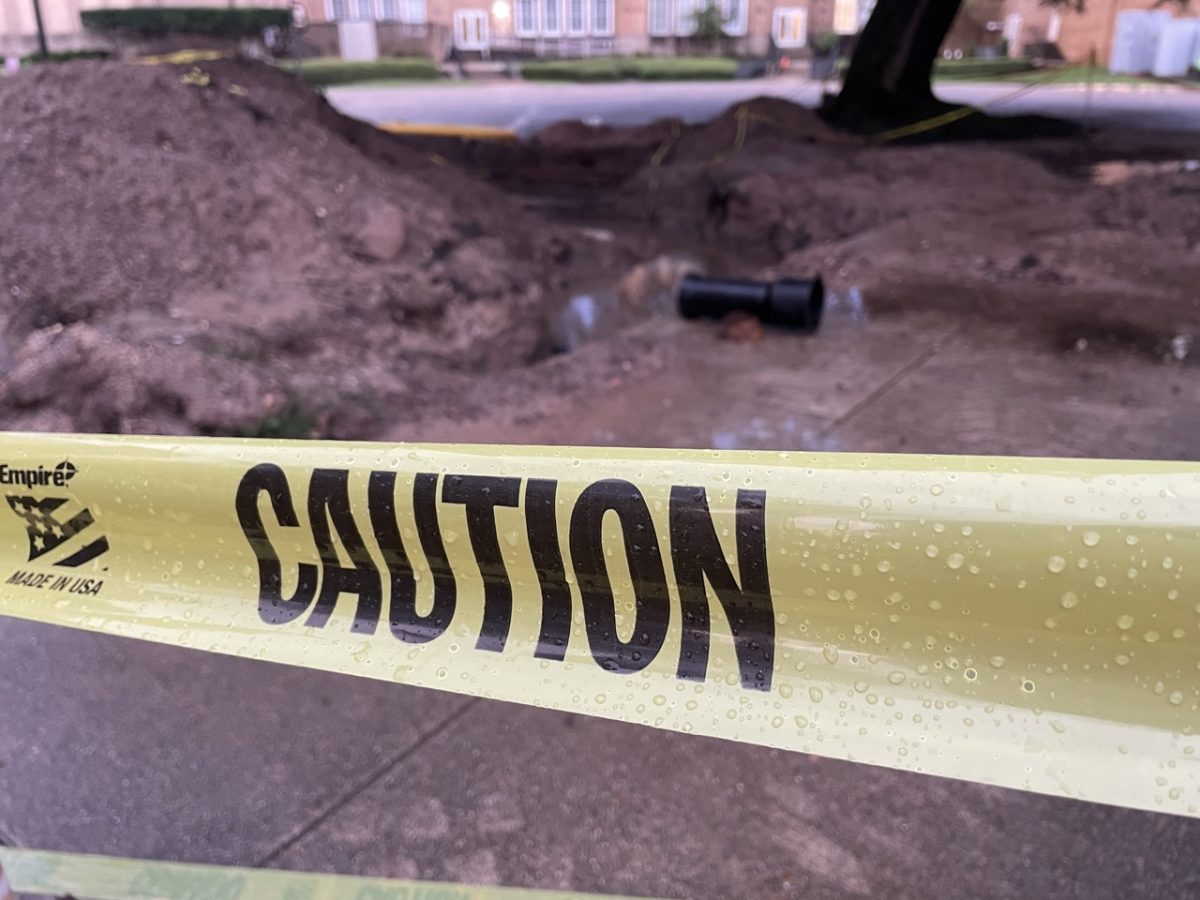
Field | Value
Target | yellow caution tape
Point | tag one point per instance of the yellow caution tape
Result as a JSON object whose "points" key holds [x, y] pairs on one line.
{"points": [[111, 878], [473, 132], [962, 112], [924, 125], [196, 77], [182, 57], [1033, 623]]}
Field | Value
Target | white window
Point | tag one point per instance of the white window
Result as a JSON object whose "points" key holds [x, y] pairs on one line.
{"points": [[1054, 28], [789, 27], [678, 17], [337, 10], [685, 16], [551, 17], [362, 9], [412, 12], [526, 18], [576, 17], [602, 16], [734, 12], [555, 18], [389, 10], [1012, 27], [660, 17], [471, 29], [845, 16]]}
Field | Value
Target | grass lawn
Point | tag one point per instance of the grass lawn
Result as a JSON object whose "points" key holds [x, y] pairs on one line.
{"points": [[614, 68], [972, 69], [1023, 72], [66, 56], [1080, 75], [327, 72]]}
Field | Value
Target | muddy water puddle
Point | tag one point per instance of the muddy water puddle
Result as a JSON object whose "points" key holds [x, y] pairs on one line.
{"points": [[771, 392], [602, 308]]}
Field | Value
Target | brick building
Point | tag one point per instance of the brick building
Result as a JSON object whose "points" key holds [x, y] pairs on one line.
{"points": [[64, 28], [1076, 34], [1022, 24], [591, 27], [596, 27]]}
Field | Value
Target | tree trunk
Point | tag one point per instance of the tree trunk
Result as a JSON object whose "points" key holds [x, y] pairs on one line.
{"points": [[888, 81]]}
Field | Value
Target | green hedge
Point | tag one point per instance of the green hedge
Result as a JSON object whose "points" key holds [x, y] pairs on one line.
{"points": [[979, 68], [66, 56], [616, 68], [245, 22], [1080, 74], [328, 72]]}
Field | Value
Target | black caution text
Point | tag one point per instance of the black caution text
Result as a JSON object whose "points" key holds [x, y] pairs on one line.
{"points": [[389, 593]]}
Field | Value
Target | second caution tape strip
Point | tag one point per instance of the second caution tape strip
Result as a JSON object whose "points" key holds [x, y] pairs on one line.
{"points": [[1021, 622], [87, 877]]}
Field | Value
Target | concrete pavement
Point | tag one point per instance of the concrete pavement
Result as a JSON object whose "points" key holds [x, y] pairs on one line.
{"points": [[527, 107]]}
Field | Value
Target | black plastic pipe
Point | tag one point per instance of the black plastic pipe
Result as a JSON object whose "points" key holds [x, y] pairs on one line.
{"points": [[790, 302]]}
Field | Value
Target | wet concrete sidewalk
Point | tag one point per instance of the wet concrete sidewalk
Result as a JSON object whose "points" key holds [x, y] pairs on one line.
{"points": [[112, 746]]}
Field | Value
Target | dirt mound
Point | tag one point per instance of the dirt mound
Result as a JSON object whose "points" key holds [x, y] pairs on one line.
{"points": [[169, 227], [577, 154], [216, 250], [780, 189], [572, 134], [1164, 203], [760, 120], [764, 122], [780, 197]]}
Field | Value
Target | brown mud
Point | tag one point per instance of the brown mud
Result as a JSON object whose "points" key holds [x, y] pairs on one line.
{"points": [[220, 251]]}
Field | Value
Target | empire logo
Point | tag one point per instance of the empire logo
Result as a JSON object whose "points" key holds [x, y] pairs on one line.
{"points": [[58, 476], [53, 531]]}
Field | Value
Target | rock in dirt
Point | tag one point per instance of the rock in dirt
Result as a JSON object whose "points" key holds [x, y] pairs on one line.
{"points": [[741, 328], [652, 287], [379, 234]]}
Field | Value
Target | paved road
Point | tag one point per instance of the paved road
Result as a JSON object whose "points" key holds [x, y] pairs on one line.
{"points": [[528, 107]]}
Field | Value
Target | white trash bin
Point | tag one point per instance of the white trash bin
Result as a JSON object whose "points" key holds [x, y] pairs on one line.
{"points": [[357, 41], [1177, 48]]}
